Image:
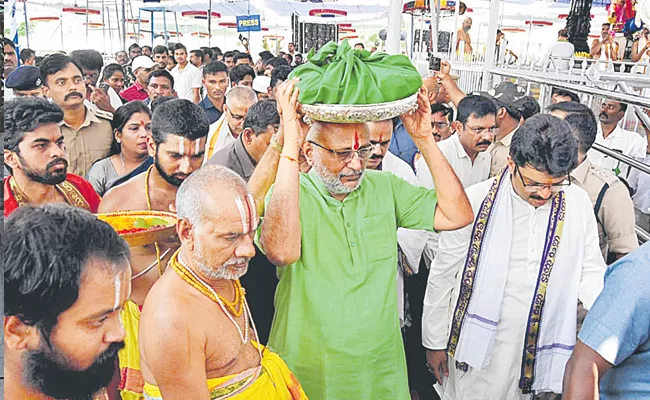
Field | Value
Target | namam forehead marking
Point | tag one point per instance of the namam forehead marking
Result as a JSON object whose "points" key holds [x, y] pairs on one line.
{"points": [[247, 212]]}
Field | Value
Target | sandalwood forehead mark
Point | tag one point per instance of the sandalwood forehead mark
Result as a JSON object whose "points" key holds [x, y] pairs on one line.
{"points": [[197, 146], [253, 212], [118, 290], [242, 214], [181, 145]]}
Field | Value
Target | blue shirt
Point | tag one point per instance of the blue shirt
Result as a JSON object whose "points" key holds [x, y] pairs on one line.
{"points": [[403, 146], [618, 327], [213, 113]]}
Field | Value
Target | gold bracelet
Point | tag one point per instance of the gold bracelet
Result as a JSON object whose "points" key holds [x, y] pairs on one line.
{"points": [[290, 158], [275, 144]]}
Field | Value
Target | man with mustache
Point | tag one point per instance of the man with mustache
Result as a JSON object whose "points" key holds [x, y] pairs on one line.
{"points": [[160, 57], [160, 84], [66, 278], [612, 136], [333, 235], [201, 307], [87, 131], [34, 150], [215, 84], [441, 117], [500, 308], [410, 245], [465, 151], [177, 145]]}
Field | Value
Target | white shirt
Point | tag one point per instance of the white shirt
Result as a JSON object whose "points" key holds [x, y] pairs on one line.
{"points": [[224, 136], [640, 183], [411, 242], [186, 80], [558, 54], [116, 102], [467, 172], [9, 94], [629, 143], [500, 379]]}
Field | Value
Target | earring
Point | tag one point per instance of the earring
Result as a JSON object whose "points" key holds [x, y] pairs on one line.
{"points": [[119, 141]]}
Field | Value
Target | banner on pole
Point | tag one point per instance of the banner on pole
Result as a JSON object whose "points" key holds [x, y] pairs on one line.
{"points": [[248, 23]]}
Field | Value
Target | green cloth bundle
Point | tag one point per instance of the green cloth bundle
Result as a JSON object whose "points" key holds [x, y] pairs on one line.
{"points": [[338, 74]]}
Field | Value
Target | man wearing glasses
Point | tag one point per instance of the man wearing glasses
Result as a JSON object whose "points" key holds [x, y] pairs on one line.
{"points": [[441, 117], [500, 309], [231, 124], [333, 233]]}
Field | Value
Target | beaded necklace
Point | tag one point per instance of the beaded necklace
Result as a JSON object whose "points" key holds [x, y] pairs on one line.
{"points": [[228, 308]]}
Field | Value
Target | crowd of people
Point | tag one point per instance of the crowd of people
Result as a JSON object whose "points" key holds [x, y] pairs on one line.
{"points": [[475, 248]]}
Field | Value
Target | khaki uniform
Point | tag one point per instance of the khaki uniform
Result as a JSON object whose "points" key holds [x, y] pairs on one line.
{"points": [[616, 214], [91, 142], [499, 151]]}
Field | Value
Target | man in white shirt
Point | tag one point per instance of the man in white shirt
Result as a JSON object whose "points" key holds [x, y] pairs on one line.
{"points": [[187, 78], [231, 124], [558, 54], [465, 151], [410, 246], [640, 183], [617, 139], [502, 293]]}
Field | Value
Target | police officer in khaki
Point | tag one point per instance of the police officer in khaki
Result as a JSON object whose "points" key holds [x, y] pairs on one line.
{"points": [[610, 196], [86, 131]]}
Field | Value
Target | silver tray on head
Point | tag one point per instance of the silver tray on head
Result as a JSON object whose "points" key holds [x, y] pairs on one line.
{"points": [[354, 113]]}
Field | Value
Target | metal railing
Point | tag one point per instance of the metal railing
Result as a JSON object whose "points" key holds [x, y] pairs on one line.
{"points": [[590, 88]]}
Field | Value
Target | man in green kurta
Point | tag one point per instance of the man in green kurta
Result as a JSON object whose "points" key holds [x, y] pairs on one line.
{"points": [[332, 232]]}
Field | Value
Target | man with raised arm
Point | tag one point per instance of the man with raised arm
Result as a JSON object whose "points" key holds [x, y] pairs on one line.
{"points": [[333, 234]]}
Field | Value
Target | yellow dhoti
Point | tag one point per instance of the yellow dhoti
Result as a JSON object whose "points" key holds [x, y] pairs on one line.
{"points": [[131, 381], [275, 382]]}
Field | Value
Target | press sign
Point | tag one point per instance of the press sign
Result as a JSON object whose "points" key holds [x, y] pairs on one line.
{"points": [[248, 23]]}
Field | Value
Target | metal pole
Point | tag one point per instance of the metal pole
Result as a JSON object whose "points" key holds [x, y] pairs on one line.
{"points": [[645, 120], [434, 6], [178, 31], [119, 31], [491, 43], [87, 21], [26, 22], [103, 28], [110, 29], [249, 32], [623, 158], [620, 97], [124, 24], [153, 34], [210, 23], [394, 27], [61, 26], [165, 34], [530, 30]]}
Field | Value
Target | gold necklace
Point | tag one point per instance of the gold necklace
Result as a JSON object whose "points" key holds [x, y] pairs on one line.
{"points": [[146, 192], [235, 307], [184, 272]]}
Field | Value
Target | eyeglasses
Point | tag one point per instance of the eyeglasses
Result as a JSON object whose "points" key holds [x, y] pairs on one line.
{"points": [[345, 156], [236, 117], [482, 131], [383, 144], [536, 187], [440, 125]]}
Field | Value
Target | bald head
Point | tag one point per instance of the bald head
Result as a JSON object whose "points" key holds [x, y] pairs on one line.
{"points": [[433, 88], [241, 95], [194, 202]]}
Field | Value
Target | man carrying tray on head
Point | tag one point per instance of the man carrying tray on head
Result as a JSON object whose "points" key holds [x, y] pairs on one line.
{"points": [[333, 231]]}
